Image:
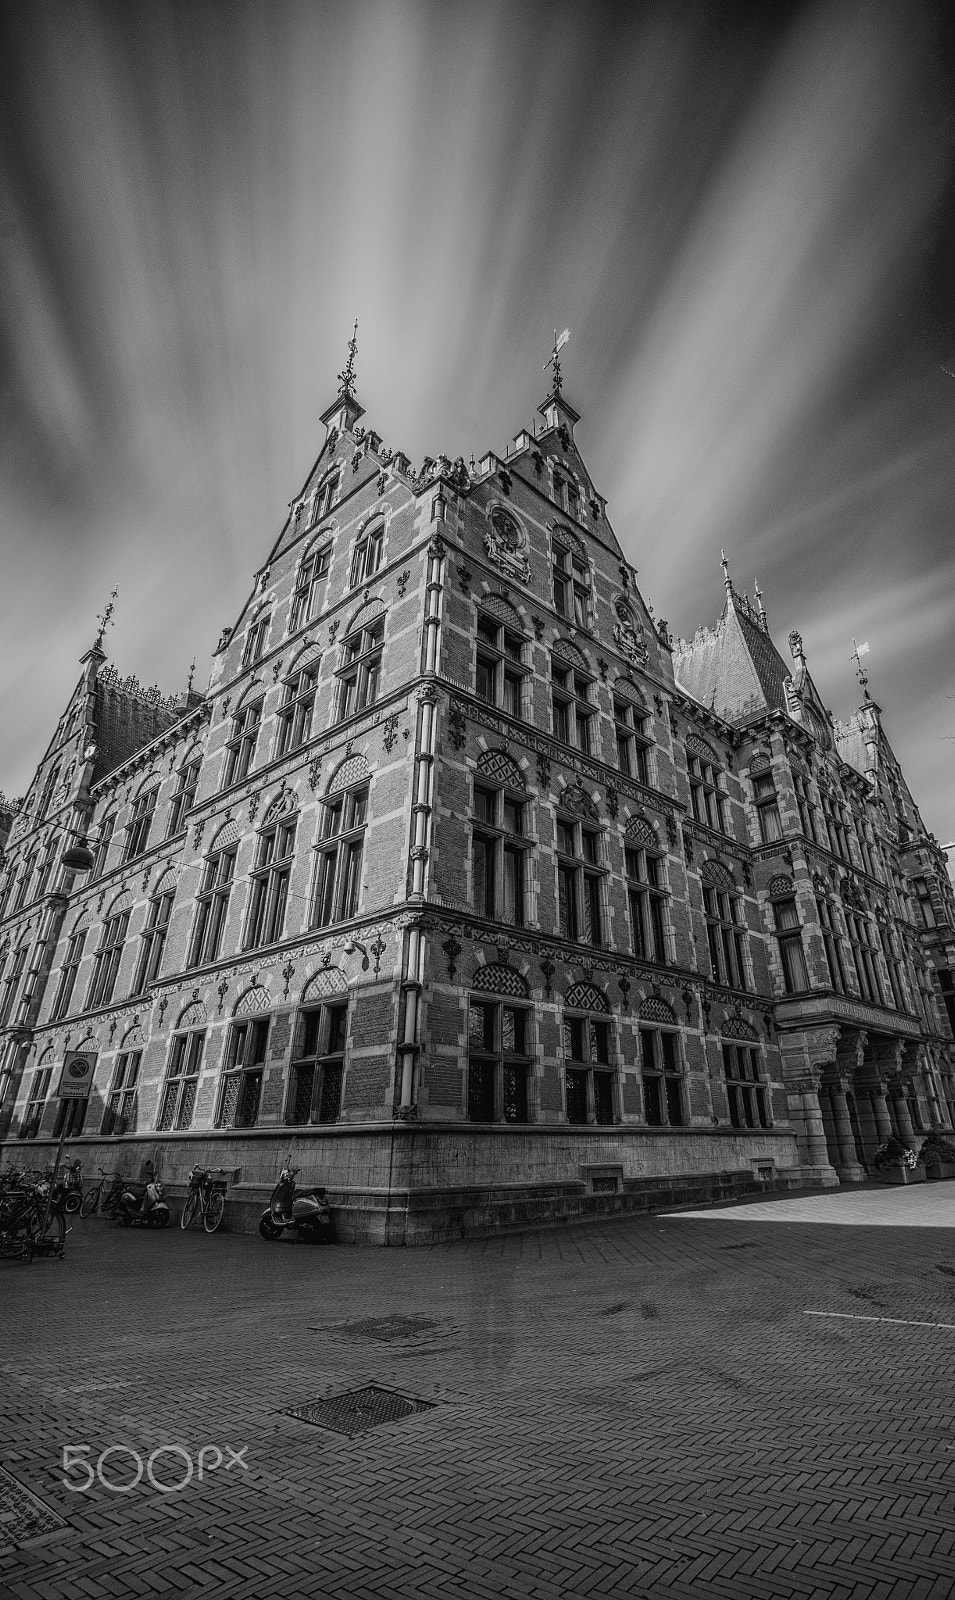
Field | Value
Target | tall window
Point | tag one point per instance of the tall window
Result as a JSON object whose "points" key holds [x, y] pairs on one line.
{"points": [[725, 930], [36, 1103], [240, 749], [137, 831], [318, 1065], [153, 940], [791, 953], [338, 879], [825, 910], [182, 1081], [69, 1119], [499, 854], [631, 726], [863, 956], [891, 955], [662, 1078], [184, 798], [587, 1064], [120, 1114], [498, 1060], [807, 810], [212, 906], [12, 983], [26, 877], [745, 1089], [579, 882], [108, 957], [574, 716], [50, 858], [241, 1091], [646, 890], [499, 664], [923, 899], [834, 820], [571, 584], [309, 587], [767, 806], [255, 640], [864, 841], [49, 785], [270, 881], [68, 971], [297, 709], [706, 797], [104, 836], [360, 672], [367, 557]]}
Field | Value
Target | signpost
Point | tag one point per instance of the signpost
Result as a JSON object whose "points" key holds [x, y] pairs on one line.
{"points": [[76, 1081]]}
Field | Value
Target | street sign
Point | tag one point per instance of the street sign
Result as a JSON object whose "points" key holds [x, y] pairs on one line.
{"points": [[76, 1079]]}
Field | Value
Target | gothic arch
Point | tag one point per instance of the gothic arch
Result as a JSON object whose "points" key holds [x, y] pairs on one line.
{"points": [[330, 981], [352, 770]]}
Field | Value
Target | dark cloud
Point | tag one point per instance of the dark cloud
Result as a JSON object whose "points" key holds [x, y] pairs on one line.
{"points": [[742, 212]]}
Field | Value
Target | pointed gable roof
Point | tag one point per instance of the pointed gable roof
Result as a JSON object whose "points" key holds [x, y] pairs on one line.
{"points": [[735, 668]]}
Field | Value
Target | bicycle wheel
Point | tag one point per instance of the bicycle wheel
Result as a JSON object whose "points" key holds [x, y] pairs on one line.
{"points": [[190, 1210], [89, 1203], [214, 1210], [55, 1229]]}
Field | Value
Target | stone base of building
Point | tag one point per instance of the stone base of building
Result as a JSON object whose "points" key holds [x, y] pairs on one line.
{"points": [[420, 1183]]}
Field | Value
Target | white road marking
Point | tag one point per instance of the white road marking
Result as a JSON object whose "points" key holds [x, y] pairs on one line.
{"points": [[904, 1322]]}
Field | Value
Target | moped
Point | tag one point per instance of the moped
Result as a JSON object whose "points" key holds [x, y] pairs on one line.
{"points": [[143, 1205], [298, 1212]]}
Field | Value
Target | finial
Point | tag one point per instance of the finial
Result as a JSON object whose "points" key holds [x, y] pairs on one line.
{"points": [[192, 673], [347, 378], [105, 619], [727, 582], [858, 651], [553, 360], [757, 591]]}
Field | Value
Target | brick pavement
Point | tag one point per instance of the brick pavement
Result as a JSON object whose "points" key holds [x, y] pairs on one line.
{"points": [[633, 1408]]}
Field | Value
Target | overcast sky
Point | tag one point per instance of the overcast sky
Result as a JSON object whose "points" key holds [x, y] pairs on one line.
{"points": [[743, 213]]}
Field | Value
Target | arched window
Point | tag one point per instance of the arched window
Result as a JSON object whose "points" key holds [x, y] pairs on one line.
{"points": [[297, 708], [632, 725], [359, 674], [499, 846], [499, 1051], [212, 901], [12, 983], [182, 1076], [120, 1115], [318, 1053], [792, 956], [240, 1088], [571, 577], [49, 785], [707, 800], [660, 1067], [646, 890], [243, 737], [826, 913], [580, 878], [725, 926], [341, 846], [109, 954], [745, 1090], [309, 587], [500, 663], [367, 554], [588, 1064], [575, 718], [255, 639], [270, 877]]}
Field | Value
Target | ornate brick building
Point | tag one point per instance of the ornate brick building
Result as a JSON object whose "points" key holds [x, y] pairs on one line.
{"points": [[467, 888]]}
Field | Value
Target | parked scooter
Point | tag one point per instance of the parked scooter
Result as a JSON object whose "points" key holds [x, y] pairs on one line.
{"points": [[299, 1212], [143, 1205], [71, 1179]]}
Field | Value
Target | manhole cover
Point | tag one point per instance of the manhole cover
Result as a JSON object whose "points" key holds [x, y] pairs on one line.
{"points": [[22, 1515], [390, 1329], [359, 1410]]}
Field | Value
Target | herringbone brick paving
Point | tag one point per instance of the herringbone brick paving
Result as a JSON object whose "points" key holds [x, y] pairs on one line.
{"points": [[632, 1408]]}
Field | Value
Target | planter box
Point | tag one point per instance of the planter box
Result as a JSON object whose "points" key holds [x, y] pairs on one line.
{"points": [[914, 1174], [939, 1169]]}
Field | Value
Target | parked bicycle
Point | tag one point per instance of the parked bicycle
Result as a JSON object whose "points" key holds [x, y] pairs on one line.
{"points": [[206, 1198], [94, 1199], [32, 1220]]}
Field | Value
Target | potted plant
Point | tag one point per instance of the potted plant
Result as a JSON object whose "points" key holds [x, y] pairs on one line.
{"points": [[938, 1155], [895, 1162]]}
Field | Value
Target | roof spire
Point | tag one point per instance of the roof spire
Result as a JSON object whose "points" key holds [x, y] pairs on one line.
{"points": [[105, 620], [346, 379], [727, 580], [757, 591], [553, 360]]}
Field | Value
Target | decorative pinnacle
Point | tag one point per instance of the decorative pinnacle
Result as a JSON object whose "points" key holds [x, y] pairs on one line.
{"points": [[346, 379], [858, 651], [192, 673], [727, 581], [105, 619], [553, 360], [758, 593]]}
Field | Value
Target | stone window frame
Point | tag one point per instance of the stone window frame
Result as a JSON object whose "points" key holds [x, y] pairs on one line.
{"points": [[180, 1085], [239, 1096], [586, 1069], [326, 1063]]}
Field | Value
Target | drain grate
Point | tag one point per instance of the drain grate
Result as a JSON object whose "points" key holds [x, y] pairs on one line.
{"points": [[390, 1329], [359, 1410], [22, 1515]]}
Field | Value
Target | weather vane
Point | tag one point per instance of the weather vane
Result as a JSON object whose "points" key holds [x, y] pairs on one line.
{"points": [[192, 673], [347, 378], [105, 619], [553, 360], [858, 651]]}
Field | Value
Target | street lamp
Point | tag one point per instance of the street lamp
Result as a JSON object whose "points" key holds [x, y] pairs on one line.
{"points": [[79, 857]]}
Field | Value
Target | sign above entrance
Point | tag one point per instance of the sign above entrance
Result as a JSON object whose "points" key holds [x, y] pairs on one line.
{"points": [[76, 1078]]}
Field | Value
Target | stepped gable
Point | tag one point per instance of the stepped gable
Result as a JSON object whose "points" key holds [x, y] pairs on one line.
{"points": [[127, 717]]}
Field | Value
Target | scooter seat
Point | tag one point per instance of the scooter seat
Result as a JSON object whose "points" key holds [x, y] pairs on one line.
{"points": [[316, 1191]]}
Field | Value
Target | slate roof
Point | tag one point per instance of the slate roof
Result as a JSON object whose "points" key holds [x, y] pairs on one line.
{"points": [[735, 669]]}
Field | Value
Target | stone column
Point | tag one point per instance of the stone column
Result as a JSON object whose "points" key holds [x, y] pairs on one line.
{"points": [[902, 1119], [803, 1054], [867, 1123], [848, 1166], [817, 1147], [883, 1121]]}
